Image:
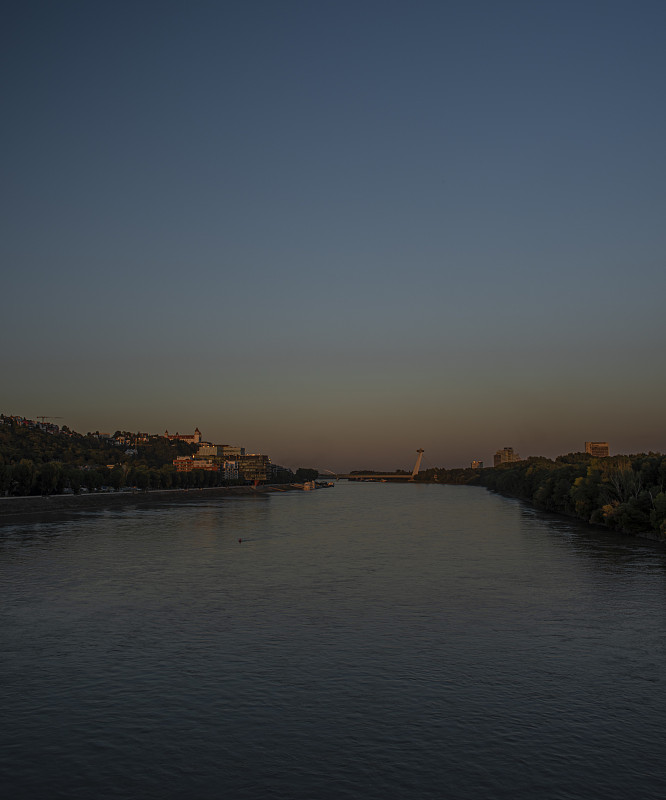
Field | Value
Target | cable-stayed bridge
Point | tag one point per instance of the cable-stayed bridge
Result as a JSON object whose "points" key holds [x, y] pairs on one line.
{"points": [[386, 476]]}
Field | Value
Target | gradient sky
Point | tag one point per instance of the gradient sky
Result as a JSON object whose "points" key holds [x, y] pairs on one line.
{"points": [[337, 231]]}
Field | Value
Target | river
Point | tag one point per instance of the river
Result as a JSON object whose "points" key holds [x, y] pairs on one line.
{"points": [[367, 641]]}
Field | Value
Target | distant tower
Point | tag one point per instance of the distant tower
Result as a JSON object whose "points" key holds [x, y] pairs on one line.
{"points": [[415, 471]]}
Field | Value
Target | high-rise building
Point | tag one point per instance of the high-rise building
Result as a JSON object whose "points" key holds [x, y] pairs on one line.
{"points": [[597, 449], [477, 464], [505, 456]]}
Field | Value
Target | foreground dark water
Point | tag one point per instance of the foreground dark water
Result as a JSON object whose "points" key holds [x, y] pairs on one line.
{"points": [[369, 641]]}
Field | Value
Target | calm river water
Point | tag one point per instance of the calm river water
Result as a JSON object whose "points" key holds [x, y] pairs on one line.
{"points": [[367, 641]]}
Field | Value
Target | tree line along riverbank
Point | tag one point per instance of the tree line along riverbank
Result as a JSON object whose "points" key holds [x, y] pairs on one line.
{"points": [[623, 493], [54, 462]]}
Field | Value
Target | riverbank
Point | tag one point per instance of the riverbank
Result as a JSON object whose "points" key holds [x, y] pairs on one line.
{"points": [[652, 535], [11, 507], [624, 493]]}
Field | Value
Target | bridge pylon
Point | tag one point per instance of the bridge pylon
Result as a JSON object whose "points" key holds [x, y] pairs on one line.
{"points": [[415, 471]]}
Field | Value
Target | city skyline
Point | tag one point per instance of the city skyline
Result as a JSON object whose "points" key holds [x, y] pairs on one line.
{"points": [[336, 233], [209, 448]]}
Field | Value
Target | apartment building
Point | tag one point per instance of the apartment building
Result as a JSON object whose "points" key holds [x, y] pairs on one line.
{"points": [[506, 455]]}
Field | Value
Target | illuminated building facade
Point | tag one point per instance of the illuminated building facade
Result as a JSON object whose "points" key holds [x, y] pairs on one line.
{"points": [[187, 464]]}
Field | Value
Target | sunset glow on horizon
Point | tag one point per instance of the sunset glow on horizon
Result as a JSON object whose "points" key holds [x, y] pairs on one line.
{"points": [[338, 232]]}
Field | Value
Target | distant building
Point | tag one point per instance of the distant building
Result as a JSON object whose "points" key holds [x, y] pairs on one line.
{"points": [[187, 464], [597, 449], [477, 464], [229, 470], [505, 456], [208, 450], [230, 451], [278, 473], [253, 467], [224, 451], [190, 438]]}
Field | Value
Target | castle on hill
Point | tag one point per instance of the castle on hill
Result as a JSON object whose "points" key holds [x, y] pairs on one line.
{"points": [[190, 438]]}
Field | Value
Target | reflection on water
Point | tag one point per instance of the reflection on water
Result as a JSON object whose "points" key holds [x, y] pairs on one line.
{"points": [[369, 641]]}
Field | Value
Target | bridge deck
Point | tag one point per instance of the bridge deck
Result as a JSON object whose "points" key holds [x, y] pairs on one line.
{"points": [[369, 476]]}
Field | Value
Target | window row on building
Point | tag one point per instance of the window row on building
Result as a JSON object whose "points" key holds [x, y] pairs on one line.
{"points": [[230, 460]]}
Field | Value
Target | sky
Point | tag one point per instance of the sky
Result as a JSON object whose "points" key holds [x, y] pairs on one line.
{"points": [[335, 232]]}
